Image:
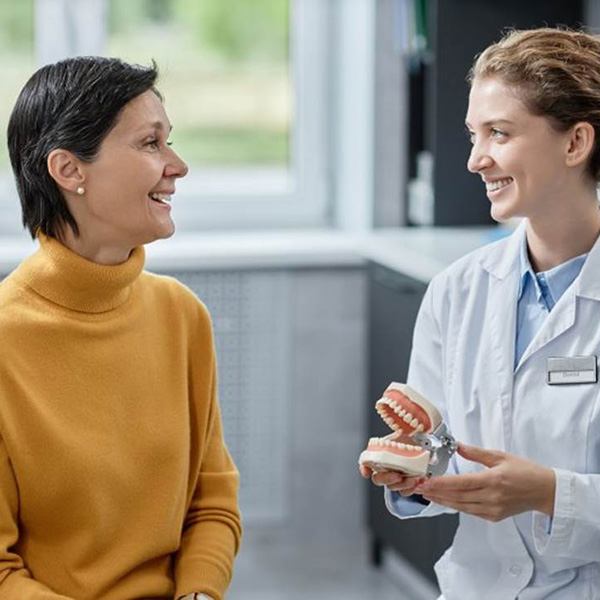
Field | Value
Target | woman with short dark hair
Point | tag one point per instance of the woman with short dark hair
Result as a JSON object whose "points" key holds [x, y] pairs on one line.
{"points": [[115, 481]]}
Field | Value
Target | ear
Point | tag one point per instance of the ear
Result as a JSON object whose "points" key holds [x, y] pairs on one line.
{"points": [[581, 143], [65, 168]]}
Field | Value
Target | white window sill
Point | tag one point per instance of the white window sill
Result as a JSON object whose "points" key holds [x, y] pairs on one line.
{"points": [[417, 252]]}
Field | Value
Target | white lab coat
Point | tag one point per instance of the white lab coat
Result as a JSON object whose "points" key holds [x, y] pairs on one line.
{"points": [[462, 360]]}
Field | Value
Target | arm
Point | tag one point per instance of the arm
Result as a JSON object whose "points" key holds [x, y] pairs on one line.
{"points": [[16, 582], [575, 527], [425, 374], [212, 527]]}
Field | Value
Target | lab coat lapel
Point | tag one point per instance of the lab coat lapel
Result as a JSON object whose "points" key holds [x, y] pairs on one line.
{"points": [[561, 319], [502, 264], [564, 313]]}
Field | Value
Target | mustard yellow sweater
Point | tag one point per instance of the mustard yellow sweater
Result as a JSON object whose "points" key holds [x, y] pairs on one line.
{"points": [[115, 482]]}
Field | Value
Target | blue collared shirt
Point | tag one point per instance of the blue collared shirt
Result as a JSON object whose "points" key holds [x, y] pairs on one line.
{"points": [[538, 293]]}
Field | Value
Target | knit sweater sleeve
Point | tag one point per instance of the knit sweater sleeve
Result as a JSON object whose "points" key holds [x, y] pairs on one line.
{"points": [[212, 527], [16, 582]]}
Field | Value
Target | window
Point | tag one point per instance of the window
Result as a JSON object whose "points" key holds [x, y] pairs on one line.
{"points": [[18, 62], [245, 86]]}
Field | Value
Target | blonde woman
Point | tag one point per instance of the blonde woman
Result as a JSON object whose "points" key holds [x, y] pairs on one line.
{"points": [[507, 339]]}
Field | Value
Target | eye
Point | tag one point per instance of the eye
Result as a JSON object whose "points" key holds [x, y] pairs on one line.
{"points": [[152, 143], [470, 135], [497, 133]]}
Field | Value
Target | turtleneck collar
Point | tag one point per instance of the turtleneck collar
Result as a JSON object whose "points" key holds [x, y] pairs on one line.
{"points": [[68, 279]]}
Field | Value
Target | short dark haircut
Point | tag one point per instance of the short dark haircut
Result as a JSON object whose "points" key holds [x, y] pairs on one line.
{"points": [[72, 104]]}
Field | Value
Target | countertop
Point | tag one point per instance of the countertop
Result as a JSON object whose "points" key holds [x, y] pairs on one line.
{"points": [[418, 252]]}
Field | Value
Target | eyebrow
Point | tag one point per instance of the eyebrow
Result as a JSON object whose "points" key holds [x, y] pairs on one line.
{"points": [[492, 122], [155, 125]]}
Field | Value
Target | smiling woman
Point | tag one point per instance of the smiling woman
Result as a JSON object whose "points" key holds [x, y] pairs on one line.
{"points": [[501, 327], [115, 480], [123, 196]]}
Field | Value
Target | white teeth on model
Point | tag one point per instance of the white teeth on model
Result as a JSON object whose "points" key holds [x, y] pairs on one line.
{"points": [[391, 444], [384, 404], [492, 186]]}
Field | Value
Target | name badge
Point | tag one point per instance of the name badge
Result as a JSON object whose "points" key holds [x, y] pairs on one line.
{"points": [[574, 369]]}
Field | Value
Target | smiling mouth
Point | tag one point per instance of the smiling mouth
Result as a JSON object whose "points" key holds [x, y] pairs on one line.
{"points": [[494, 186], [163, 199]]}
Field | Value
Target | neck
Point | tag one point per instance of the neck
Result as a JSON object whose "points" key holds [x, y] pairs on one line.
{"points": [[93, 249], [556, 238]]}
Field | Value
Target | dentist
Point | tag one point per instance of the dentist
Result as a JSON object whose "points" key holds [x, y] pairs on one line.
{"points": [[507, 338]]}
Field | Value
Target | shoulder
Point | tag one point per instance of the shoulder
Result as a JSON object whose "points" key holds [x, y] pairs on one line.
{"points": [[464, 273], [466, 282], [172, 295], [12, 294]]}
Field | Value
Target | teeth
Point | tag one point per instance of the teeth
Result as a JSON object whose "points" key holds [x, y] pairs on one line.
{"points": [[382, 442], [160, 197], [414, 423], [420, 428], [407, 418], [492, 186]]}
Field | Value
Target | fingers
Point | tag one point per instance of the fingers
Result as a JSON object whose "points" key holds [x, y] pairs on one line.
{"points": [[482, 496], [396, 482], [407, 487], [365, 471], [387, 478], [455, 483], [483, 510], [489, 458]]}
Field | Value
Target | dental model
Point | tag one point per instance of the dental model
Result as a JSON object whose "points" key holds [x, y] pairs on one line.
{"points": [[412, 418]]}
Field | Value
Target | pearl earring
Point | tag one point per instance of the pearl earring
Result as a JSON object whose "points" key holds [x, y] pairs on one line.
{"points": [[80, 190]]}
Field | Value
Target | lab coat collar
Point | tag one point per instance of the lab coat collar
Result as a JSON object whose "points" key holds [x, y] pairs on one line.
{"points": [[587, 285], [563, 315], [503, 257]]}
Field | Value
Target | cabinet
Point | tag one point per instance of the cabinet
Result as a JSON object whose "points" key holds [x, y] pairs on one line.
{"points": [[393, 302]]}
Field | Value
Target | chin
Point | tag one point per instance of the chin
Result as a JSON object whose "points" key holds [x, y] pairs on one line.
{"points": [[164, 231], [501, 214]]}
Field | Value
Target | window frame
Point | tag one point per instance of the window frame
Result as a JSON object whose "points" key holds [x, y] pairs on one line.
{"points": [[232, 198], [300, 197]]}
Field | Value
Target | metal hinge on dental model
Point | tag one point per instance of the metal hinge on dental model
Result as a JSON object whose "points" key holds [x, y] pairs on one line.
{"points": [[441, 445]]}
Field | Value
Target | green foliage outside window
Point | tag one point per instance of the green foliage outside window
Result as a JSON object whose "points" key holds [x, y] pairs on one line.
{"points": [[224, 71], [16, 58]]}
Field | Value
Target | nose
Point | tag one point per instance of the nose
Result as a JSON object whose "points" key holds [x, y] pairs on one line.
{"points": [[478, 159], [175, 167]]}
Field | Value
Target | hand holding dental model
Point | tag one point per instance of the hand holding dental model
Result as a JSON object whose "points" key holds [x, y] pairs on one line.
{"points": [[509, 486]]}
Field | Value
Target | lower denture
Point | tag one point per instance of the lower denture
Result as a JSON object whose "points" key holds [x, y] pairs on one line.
{"points": [[377, 446]]}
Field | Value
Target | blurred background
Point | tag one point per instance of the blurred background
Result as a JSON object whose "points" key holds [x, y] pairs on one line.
{"points": [[327, 185]]}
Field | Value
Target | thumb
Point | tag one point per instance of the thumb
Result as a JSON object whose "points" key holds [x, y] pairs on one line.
{"points": [[489, 458]]}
